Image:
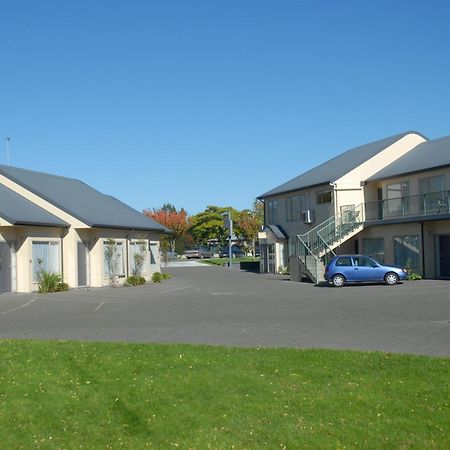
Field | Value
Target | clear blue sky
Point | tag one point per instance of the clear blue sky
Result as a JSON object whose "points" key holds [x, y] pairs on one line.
{"points": [[207, 102]]}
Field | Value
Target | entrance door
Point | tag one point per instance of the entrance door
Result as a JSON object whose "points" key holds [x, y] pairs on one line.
{"points": [[82, 264], [380, 202], [264, 258], [271, 258], [153, 249], [5, 267], [443, 255]]}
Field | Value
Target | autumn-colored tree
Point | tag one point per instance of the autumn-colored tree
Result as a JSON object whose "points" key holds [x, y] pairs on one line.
{"points": [[168, 216], [250, 222]]}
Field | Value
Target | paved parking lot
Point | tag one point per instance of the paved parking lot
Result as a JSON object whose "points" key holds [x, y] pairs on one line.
{"points": [[214, 305]]}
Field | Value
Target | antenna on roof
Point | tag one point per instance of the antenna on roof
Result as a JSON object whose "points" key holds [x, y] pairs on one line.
{"points": [[8, 139]]}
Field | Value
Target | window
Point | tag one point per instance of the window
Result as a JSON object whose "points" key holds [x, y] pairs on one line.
{"points": [[406, 252], [432, 189], [397, 197], [363, 261], [374, 247], [138, 258], [272, 212], [324, 197], [45, 256], [113, 259], [153, 248], [432, 184], [294, 206], [344, 261]]}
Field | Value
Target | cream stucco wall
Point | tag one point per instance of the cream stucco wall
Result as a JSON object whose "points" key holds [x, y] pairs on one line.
{"points": [[350, 188], [412, 179], [425, 231], [321, 212], [373, 165], [21, 240], [68, 238], [96, 241]]}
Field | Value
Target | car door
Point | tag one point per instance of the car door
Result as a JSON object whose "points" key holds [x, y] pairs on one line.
{"points": [[344, 266], [366, 269]]}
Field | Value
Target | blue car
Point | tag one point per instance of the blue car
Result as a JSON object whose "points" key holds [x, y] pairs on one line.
{"points": [[360, 268]]}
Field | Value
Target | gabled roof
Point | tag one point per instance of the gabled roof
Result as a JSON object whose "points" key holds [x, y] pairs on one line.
{"points": [[277, 231], [426, 156], [80, 200], [337, 167], [17, 210]]}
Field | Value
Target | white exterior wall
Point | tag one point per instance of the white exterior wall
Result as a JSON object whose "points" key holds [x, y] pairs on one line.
{"points": [[321, 212], [77, 232], [22, 239], [349, 188], [96, 244]]}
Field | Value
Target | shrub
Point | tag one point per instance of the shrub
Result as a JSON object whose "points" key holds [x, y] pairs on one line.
{"points": [[135, 280], [166, 276], [51, 282], [414, 276], [157, 277], [62, 287]]}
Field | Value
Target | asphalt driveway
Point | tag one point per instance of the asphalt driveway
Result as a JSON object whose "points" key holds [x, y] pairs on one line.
{"points": [[214, 305]]}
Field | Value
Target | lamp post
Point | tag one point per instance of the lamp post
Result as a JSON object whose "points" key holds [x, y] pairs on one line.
{"points": [[228, 224]]}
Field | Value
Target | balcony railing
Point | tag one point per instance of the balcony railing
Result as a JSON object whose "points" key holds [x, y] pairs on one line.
{"points": [[430, 204]]}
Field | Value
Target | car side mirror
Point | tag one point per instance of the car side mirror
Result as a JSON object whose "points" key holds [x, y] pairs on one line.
{"points": [[375, 265]]}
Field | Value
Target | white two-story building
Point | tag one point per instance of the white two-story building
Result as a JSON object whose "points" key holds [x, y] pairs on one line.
{"points": [[388, 199]]}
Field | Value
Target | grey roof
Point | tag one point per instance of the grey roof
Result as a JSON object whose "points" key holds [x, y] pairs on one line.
{"points": [[277, 231], [81, 201], [337, 167], [17, 210], [426, 156]]}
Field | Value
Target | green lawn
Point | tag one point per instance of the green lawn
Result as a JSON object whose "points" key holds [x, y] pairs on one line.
{"points": [[108, 395]]}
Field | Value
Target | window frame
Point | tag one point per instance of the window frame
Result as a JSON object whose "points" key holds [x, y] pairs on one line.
{"points": [[324, 197]]}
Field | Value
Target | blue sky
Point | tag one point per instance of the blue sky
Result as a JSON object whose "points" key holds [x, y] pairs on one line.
{"points": [[205, 102]]}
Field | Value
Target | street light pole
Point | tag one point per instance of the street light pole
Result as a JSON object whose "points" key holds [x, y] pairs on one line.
{"points": [[228, 224], [230, 220]]}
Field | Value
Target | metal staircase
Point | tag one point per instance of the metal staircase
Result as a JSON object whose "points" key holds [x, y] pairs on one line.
{"points": [[315, 248]]}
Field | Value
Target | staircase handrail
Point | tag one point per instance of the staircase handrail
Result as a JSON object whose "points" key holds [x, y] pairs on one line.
{"points": [[316, 244]]}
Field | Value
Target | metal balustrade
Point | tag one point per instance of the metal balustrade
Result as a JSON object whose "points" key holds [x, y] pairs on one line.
{"points": [[315, 247], [433, 203]]}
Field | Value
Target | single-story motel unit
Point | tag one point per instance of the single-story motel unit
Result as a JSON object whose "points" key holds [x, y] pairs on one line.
{"points": [[388, 199], [62, 225]]}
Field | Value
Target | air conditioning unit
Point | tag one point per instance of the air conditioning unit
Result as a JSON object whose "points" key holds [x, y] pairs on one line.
{"points": [[308, 216]]}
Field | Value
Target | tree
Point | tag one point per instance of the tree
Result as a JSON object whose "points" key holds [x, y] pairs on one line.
{"points": [[112, 260], [250, 224], [208, 225], [176, 221]]}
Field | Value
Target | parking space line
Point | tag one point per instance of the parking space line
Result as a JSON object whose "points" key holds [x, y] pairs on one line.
{"points": [[19, 307], [99, 306], [176, 289]]}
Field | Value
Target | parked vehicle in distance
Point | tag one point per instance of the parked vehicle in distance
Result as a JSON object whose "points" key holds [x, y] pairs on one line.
{"points": [[236, 252], [197, 253], [360, 269], [170, 256]]}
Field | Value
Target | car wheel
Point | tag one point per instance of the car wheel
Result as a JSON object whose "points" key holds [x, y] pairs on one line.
{"points": [[391, 278], [338, 280]]}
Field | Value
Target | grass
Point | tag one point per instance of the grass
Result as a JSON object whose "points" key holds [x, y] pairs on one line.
{"points": [[107, 395], [222, 261]]}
